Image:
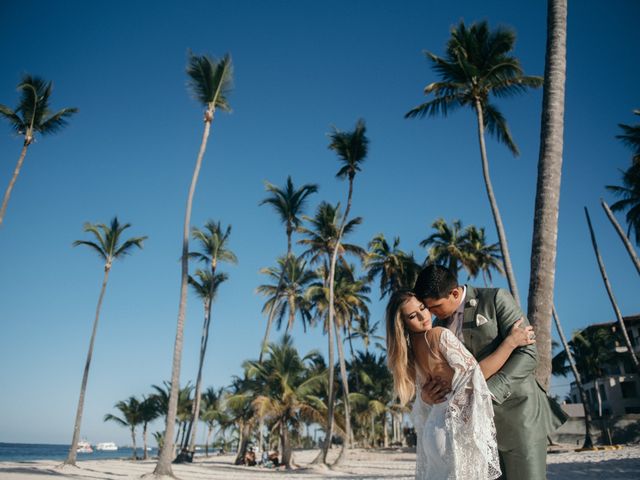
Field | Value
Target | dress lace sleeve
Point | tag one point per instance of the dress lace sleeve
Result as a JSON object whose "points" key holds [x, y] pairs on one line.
{"points": [[470, 414]]}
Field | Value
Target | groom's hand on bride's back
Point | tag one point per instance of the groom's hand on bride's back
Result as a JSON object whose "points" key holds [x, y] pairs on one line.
{"points": [[434, 391]]}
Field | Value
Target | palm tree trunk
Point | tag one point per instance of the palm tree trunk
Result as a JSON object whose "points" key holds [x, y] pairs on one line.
{"points": [[134, 455], [612, 299], [286, 445], [622, 235], [588, 442], [71, 457], [243, 443], [206, 445], [145, 454], [345, 389], [163, 467], [545, 221], [502, 237], [195, 414], [12, 182], [386, 430]]}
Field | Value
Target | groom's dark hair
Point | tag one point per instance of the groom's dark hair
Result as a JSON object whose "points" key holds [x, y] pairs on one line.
{"points": [[435, 281]]}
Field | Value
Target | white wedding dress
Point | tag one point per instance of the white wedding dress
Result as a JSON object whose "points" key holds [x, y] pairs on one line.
{"points": [[456, 439]]}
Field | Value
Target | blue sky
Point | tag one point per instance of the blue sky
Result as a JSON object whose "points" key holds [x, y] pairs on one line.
{"points": [[300, 67]]}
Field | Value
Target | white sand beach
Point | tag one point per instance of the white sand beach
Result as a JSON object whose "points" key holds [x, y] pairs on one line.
{"points": [[622, 464]]}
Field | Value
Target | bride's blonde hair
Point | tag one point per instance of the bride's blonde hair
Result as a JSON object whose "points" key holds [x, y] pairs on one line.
{"points": [[399, 354]]}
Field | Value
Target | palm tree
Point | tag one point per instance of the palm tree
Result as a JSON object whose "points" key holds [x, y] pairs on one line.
{"points": [[482, 257], [209, 81], [631, 138], [446, 245], [289, 392], [213, 241], [629, 194], [625, 239], [212, 411], [588, 443], [131, 417], [395, 268], [289, 203], [545, 221], [476, 65], [612, 299], [286, 294], [238, 405], [31, 116], [324, 243], [366, 332], [109, 246], [206, 287], [148, 413]]}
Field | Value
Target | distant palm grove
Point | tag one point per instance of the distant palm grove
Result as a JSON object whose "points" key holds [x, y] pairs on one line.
{"points": [[283, 398]]}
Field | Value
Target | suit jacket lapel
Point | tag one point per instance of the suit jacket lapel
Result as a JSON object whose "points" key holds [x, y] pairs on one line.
{"points": [[469, 317]]}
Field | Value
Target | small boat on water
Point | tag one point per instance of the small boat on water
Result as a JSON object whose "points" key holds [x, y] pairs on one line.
{"points": [[84, 447], [107, 446]]}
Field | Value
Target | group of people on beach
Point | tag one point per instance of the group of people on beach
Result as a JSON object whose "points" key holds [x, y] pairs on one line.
{"points": [[479, 412]]}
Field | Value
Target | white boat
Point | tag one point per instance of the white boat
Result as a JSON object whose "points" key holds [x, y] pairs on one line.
{"points": [[107, 446], [84, 447]]}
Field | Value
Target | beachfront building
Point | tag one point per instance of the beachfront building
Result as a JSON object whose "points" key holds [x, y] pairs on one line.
{"points": [[616, 390]]}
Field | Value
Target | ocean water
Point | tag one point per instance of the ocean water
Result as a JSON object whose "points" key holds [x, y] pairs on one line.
{"points": [[26, 452]]}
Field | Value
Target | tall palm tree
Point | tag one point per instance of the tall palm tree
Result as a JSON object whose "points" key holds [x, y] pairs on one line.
{"points": [[478, 64], [131, 418], [545, 220], [210, 82], [289, 203], [366, 331], [286, 295], [395, 268], [206, 287], [148, 413], [482, 257], [446, 245], [109, 245], [612, 299], [625, 239], [31, 116], [289, 392], [631, 138], [588, 442], [351, 148], [629, 194]]}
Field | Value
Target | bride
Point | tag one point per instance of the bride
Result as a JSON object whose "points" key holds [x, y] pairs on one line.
{"points": [[457, 437]]}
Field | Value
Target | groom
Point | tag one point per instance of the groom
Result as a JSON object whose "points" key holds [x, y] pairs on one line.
{"points": [[481, 318]]}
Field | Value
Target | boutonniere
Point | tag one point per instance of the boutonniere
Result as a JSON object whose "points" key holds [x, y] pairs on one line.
{"points": [[472, 302], [480, 320]]}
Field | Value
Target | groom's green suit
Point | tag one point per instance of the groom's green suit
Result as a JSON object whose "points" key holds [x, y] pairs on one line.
{"points": [[524, 414]]}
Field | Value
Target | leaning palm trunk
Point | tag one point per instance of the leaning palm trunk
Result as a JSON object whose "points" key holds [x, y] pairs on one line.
{"points": [[332, 271], [502, 237], [195, 414], [588, 442], [287, 453], [12, 182], [612, 299], [71, 458], [545, 221], [243, 442], [163, 467], [621, 234], [345, 386], [272, 314]]}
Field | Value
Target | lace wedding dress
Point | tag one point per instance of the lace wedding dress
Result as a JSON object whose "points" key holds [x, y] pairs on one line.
{"points": [[456, 439]]}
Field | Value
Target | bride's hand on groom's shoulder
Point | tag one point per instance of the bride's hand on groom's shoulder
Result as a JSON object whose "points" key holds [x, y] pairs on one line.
{"points": [[434, 391]]}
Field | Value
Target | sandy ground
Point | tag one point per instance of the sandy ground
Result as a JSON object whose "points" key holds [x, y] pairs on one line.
{"points": [[623, 464]]}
